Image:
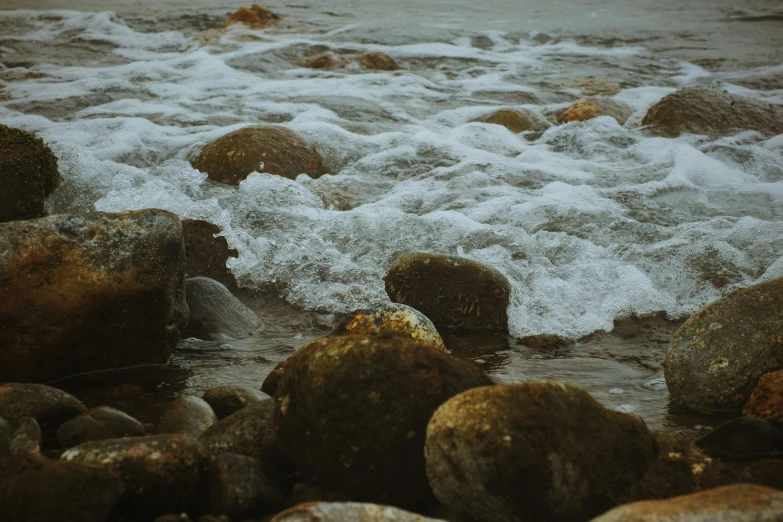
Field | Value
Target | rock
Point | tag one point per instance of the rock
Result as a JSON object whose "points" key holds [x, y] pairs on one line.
{"points": [[160, 472], [343, 511], [324, 60], [205, 254], [187, 415], [215, 314], [226, 400], [49, 406], [397, 318], [737, 503], [42, 490], [765, 472], [98, 423], [276, 150], [28, 174], [90, 291], [743, 438], [700, 110], [517, 120], [239, 487], [716, 358], [378, 62], [246, 432], [270, 384], [453, 292], [302, 493], [5, 437], [27, 438], [594, 107], [256, 17], [766, 401], [351, 411], [181, 517], [537, 451]]}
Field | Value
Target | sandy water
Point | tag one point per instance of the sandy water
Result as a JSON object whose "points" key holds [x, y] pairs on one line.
{"points": [[595, 224]]}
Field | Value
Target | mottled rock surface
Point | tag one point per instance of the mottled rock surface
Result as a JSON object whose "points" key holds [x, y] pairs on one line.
{"points": [[205, 254], [238, 487], [766, 401], [98, 423], [256, 16], [187, 415], [394, 317], [593, 107], [49, 406], [272, 381], [517, 120], [215, 314], [378, 62], [344, 511], [324, 60], [226, 400], [246, 432]]}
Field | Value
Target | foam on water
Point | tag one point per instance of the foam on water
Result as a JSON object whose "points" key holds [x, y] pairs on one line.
{"points": [[590, 221]]}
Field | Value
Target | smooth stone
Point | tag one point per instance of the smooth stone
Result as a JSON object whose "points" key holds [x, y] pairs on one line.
{"points": [[717, 356], [27, 438], [49, 406], [743, 438], [206, 253], [98, 423], [90, 291], [344, 511], [324, 60], [226, 400], [351, 412], [537, 451], [272, 381], [255, 16], [238, 487], [517, 120], [397, 318], [453, 292], [187, 415], [215, 314], [766, 400], [246, 432], [594, 107]]}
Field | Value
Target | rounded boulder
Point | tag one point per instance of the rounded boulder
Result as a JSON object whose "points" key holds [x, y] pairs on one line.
{"points": [[215, 314], [517, 120], [397, 318], [594, 107]]}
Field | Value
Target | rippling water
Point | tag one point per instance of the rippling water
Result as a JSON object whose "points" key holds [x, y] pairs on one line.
{"points": [[593, 223]]}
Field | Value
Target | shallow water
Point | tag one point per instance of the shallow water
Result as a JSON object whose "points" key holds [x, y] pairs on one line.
{"points": [[594, 223]]}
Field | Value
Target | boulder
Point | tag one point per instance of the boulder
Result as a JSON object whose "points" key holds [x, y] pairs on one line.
{"points": [[275, 150], [766, 401], [187, 415], [378, 62], [517, 120], [49, 406], [716, 358], [397, 318], [206, 254], [98, 423], [737, 503], [90, 291], [343, 511], [743, 438], [215, 314], [538, 451], [699, 110], [6, 432], [255, 16], [238, 487], [272, 381], [160, 472], [452, 291], [246, 432], [228, 399], [594, 107], [351, 411], [28, 174], [324, 60]]}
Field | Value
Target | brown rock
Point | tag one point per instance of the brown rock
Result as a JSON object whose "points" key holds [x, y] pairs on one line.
{"points": [[517, 120], [378, 62], [28, 174], [700, 110], [394, 318], [593, 107], [187, 415], [89, 291], [98, 424], [766, 401], [206, 254], [324, 60], [256, 17], [276, 150], [238, 487], [49, 406], [765, 472], [228, 399], [246, 432], [272, 381]]}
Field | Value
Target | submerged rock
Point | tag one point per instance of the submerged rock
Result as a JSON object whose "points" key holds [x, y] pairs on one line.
{"points": [[238, 487], [700, 110], [743, 438], [517, 120], [215, 314], [397, 318], [737, 503], [452, 291], [187, 415], [228, 399], [89, 291], [99, 423], [276, 150], [324, 60], [28, 174], [351, 411], [766, 401], [716, 358], [343, 511], [256, 17], [594, 107], [205, 254], [378, 62], [49, 406], [246, 432], [538, 451]]}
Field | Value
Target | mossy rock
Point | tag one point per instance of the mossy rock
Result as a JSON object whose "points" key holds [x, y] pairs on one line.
{"points": [[517, 120], [594, 107]]}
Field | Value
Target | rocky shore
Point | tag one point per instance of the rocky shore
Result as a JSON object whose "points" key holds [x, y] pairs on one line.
{"points": [[378, 420]]}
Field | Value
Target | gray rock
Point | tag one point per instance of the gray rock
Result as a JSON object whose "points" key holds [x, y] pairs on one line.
{"points": [[26, 439], [90, 291], [226, 400], [237, 486], [98, 423], [215, 314], [187, 415], [716, 358], [246, 432], [343, 511], [49, 406]]}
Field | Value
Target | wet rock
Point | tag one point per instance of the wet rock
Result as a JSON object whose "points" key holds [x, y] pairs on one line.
{"points": [[160, 472], [226, 400], [324, 60], [276, 150], [5, 437], [716, 358], [766, 401], [205, 254], [238, 487], [517, 120], [27, 438], [452, 291], [49, 406], [351, 411], [341, 511], [98, 423], [378, 62], [272, 381], [187, 415], [256, 17], [215, 314], [397, 318], [246, 432], [594, 107], [738, 503], [700, 110], [90, 291], [28, 174], [538, 451], [546, 341], [302, 493], [764, 472], [35, 489], [743, 438]]}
